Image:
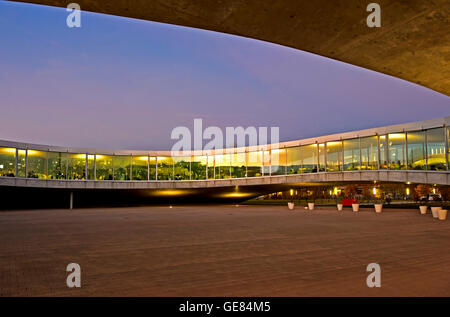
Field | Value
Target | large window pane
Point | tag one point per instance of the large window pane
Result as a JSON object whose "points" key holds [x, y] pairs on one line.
{"points": [[7, 162], [139, 168], [416, 150], [57, 163], [383, 152], [266, 163], [293, 164], [210, 173], [334, 156], [308, 158], [222, 166], [351, 155], [448, 145], [91, 167], [182, 167], [198, 167], [322, 157], [397, 151], [369, 153], [37, 164], [21, 162], [238, 169], [152, 168], [278, 161], [436, 149], [104, 164], [77, 166], [122, 168], [165, 168], [254, 163]]}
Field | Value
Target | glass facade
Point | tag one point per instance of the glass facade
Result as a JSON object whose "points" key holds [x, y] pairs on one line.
{"points": [[397, 151], [37, 164], [104, 165], [294, 163], [122, 168], [436, 160], [76, 166], [152, 168], [91, 167], [383, 154], [266, 163], [414, 150], [210, 167], [165, 168], [7, 162], [139, 168], [222, 166], [352, 155], [254, 163], [322, 159], [369, 153], [334, 156], [278, 162], [21, 163], [448, 147], [308, 158], [57, 165], [198, 167], [182, 167], [238, 165]]}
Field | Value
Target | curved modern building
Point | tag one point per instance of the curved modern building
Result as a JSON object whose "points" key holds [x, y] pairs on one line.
{"points": [[32, 175]]}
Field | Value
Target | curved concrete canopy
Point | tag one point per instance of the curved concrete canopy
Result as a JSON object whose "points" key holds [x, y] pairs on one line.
{"points": [[413, 42]]}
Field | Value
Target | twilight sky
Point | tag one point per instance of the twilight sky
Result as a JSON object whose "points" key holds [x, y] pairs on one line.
{"points": [[125, 84]]}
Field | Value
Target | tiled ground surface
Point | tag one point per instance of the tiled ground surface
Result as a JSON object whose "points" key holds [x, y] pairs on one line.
{"points": [[223, 251]]}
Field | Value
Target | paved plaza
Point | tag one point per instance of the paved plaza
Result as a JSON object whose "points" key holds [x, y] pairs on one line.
{"points": [[223, 251]]}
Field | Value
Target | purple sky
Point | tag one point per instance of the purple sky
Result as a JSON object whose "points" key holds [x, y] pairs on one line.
{"points": [[124, 83]]}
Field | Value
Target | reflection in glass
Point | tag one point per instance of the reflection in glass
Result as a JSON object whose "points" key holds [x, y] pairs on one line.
{"points": [[448, 146], [104, 164], [308, 158], [37, 164], [278, 162], [294, 164], [334, 156], [21, 162], [436, 149], [198, 167], [369, 153], [76, 166], [397, 151], [266, 163], [210, 167], [139, 168], [57, 163], [351, 155], [152, 168], [238, 167], [122, 168], [383, 152], [91, 167], [416, 150], [322, 157], [222, 166], [7, 162], [165, 168], [254, 163], [182, 166]]}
